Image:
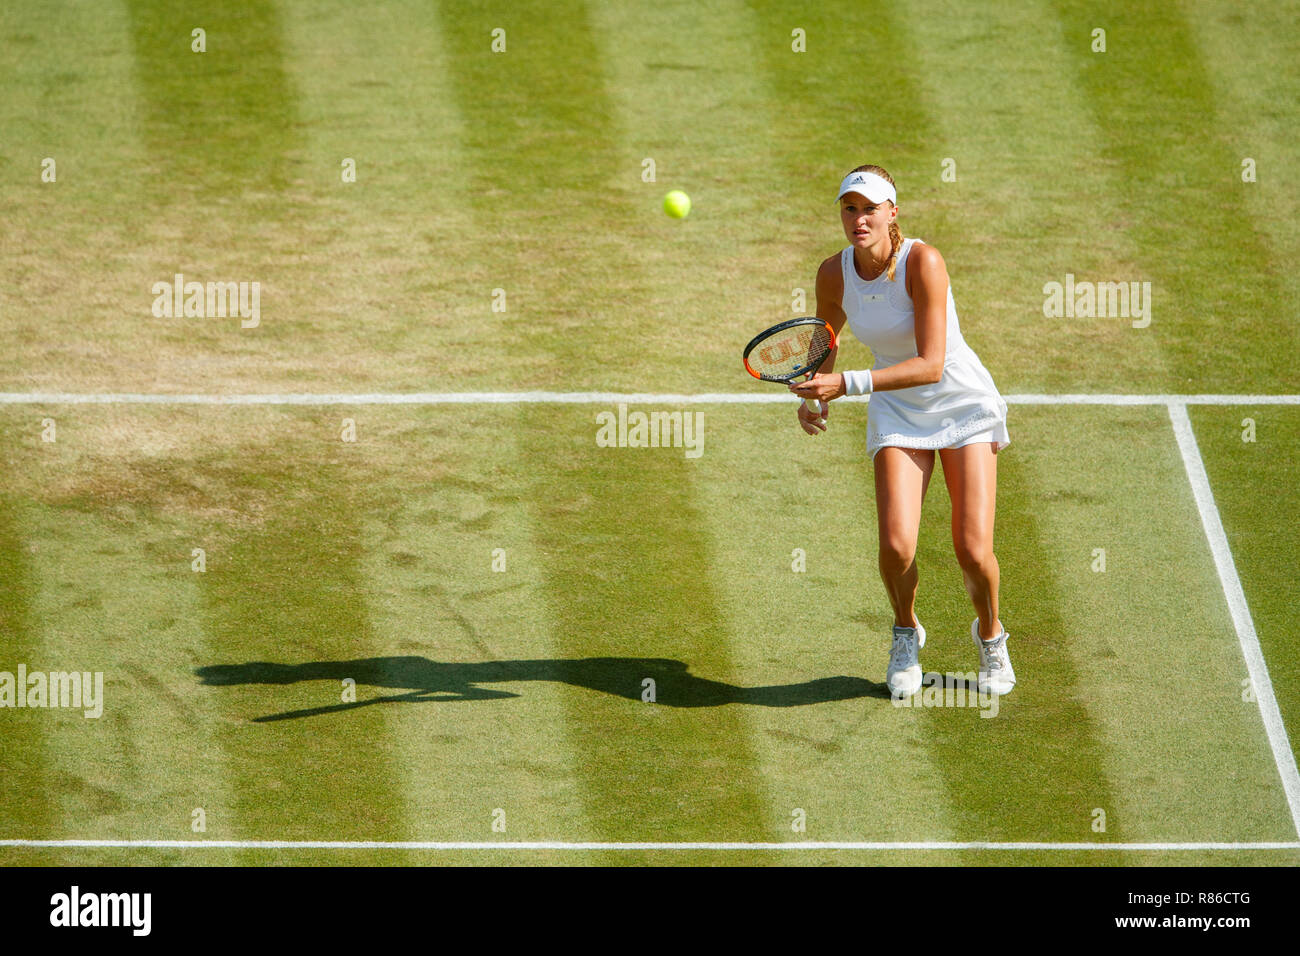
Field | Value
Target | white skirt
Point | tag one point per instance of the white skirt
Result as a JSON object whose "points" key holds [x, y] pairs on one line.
{"points": [[963, 407]]}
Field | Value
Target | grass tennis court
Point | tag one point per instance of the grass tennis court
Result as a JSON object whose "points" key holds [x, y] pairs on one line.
{"points": [[520, 689]]}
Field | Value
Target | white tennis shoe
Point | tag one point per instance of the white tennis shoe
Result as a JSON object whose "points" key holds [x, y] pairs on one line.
{"points": [[996, 675], [904, 674]]}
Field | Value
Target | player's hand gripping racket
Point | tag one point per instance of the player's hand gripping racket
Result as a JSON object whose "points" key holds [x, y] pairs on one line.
{"points": [[786, 351]]}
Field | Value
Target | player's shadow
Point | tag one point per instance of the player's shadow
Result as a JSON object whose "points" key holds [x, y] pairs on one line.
{"points": [[422, 680]]}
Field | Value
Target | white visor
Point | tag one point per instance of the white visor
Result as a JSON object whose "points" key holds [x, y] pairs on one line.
{"points": [[875, 188]]}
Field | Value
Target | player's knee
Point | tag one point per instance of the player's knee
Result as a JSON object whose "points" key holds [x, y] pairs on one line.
{"points": [[897, 554], [974, 557]]}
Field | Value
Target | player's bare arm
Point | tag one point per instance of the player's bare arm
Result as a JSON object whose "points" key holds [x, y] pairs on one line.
{"points": [[830, 293], [928, 277]]}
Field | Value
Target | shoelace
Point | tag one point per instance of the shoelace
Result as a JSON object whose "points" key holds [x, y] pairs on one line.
{"points": [[993, 654], [901, 653]]}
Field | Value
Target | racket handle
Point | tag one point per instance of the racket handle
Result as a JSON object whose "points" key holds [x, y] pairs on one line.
{"points": [[811, 403]]}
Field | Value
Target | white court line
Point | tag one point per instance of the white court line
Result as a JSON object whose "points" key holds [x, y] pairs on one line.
{"points": [[561, 845], [1241, 619], [574, 398]]}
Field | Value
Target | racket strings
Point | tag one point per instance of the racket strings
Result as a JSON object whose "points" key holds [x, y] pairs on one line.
{"points": [[790, 354]]}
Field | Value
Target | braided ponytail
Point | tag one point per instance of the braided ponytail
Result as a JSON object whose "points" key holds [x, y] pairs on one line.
{"points": [[895, 236]]}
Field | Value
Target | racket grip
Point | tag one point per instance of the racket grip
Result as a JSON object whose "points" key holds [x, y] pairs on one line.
{"points": [[813, 406]]}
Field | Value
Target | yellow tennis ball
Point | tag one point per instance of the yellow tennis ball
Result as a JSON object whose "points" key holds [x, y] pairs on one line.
{"points": [[677, 204]]}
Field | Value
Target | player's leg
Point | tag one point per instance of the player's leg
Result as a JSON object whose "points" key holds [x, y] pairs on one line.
{"points": [[971, 473], [902, 476]]}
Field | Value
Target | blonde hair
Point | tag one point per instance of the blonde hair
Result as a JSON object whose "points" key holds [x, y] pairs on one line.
{"points": [[895, 236]]}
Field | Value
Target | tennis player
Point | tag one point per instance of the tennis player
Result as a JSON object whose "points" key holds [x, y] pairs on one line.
{"points": [[929, 392]]}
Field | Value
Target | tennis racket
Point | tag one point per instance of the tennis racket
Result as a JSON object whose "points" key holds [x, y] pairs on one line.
{"points": [[786, 351]]}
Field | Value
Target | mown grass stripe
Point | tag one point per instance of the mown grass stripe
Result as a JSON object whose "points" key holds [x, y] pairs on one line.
{"points": [[68, 97], [629, 574], [118, 600], [1243, 48], [395, 251], [219, 197], [121, 602], [795, 589], [220, 122], [1060, 771], [540, 144], [285, 611], [26, 765], [460, 619]]}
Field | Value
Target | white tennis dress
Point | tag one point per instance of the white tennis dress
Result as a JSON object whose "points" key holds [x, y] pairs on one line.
{"points": [[963, 407]]}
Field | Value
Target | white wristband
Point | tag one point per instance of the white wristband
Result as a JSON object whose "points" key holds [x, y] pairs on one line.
{"points": [[857, 383]]}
